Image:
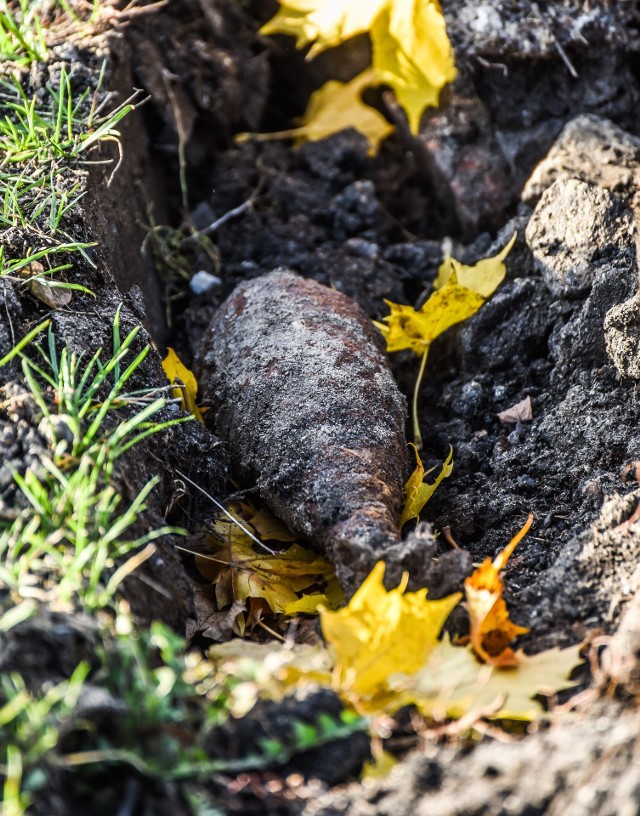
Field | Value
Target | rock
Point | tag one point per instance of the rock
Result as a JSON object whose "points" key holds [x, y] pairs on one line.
{"points": [[575, 229], [304, 397], [621, 660], [593, 150], [495, 30], [597, 573], [203, 282], [494, 340], [356, 211], [459, 153], [622, 337], [579, 344], [580, 766]]}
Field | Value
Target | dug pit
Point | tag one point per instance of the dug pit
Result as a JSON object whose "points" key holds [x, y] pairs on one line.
{"points": [[562, 330]]}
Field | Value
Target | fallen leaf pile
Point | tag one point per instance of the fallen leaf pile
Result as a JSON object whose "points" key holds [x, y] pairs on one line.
{"points": [[287, 581], [459, 291], [411, 53], [384, 650]]}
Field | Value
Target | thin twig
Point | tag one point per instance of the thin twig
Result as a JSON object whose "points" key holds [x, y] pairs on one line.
{"points": [[270, 631], [228, 216], [565, 58], [10, 321], [563, 54], [181, 130], [231, 214], [229, 515]]}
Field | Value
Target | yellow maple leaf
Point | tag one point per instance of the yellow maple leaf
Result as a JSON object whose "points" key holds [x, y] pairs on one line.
{"points": [[263, 523], [384, 652], [408, 328], [332, 108], [451, 302], [483, 277], [454, 683], [381, 633], [417, 492], [338, 105], [324, 22], [411, 50], [492, 630], [241, 571], [187, 388], [412, 54]]}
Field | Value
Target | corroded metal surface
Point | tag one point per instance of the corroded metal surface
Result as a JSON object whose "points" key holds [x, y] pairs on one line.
{"points": [[304, 397]]}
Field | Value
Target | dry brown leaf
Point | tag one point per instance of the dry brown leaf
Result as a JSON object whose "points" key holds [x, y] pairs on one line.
{"points": [[52, 296], [209, 622], [520, 412]]}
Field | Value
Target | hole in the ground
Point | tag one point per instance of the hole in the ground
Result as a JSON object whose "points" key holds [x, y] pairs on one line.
{"points": [[372, 227]]}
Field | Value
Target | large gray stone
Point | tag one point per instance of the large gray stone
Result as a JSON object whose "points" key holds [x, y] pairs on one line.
{"points": [[622, 336], [575, 229], [594, 150]]}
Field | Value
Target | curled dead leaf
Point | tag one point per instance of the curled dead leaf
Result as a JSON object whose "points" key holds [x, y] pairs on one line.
{"points": [[52, 296], [492, 630], [520, 412]]}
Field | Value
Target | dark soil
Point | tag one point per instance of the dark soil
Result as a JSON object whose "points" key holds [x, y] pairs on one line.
{"points": [[373, 228]]}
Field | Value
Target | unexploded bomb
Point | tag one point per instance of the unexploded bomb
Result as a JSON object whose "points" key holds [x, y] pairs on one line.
{"points": [[304, 397]]}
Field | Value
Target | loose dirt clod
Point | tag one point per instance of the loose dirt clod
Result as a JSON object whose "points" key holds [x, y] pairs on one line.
{"points": [[305, 399]]}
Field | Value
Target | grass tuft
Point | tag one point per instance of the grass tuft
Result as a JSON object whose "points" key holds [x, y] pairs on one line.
{"points": [[63, 546], [43, 145], [22, 38], [30, 727]]}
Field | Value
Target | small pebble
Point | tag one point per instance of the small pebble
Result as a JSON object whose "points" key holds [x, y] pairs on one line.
{"points": [[203, 282]]}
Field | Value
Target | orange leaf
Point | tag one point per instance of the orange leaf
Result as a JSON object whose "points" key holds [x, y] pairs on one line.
{"points": [[492, 631]]}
